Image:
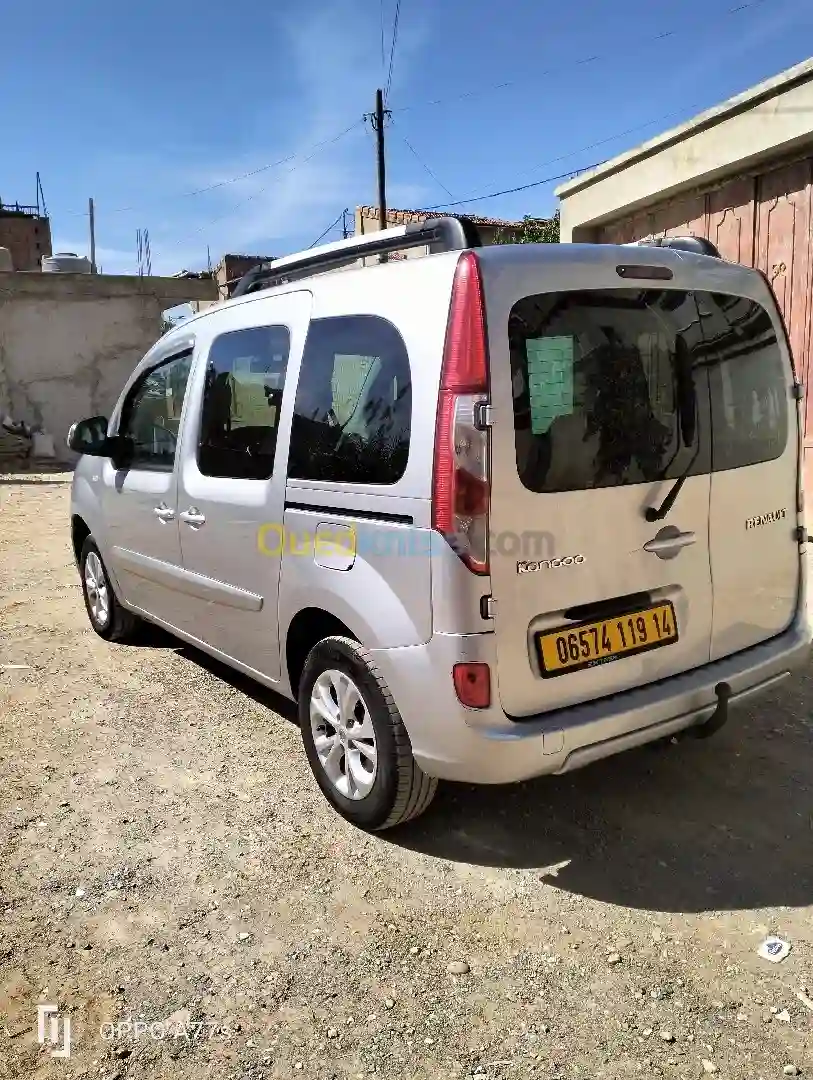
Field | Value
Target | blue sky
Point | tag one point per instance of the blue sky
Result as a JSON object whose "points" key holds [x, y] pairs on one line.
{"points": [[139, 105]]}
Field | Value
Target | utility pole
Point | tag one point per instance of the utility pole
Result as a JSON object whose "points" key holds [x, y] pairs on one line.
{"points": [[378, 128], [92, 219], [378, 118]]}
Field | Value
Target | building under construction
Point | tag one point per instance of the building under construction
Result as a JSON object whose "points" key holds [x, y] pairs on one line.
{"points": [[26, 232]]}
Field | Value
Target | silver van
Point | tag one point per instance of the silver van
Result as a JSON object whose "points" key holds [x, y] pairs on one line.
{"points": [[485, 514]]}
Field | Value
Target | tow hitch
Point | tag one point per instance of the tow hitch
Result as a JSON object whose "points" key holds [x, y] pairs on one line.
{"points": [[717, 718]]}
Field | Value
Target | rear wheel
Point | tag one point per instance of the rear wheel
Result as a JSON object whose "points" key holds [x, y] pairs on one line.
{"points": [[355, 740], [107, 617]]}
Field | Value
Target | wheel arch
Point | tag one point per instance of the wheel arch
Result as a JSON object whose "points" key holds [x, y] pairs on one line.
{"points": [[307, 627], [80, 531]]}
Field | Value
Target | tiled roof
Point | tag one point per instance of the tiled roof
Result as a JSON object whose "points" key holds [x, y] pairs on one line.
{"points": [[250, 258], [406, 217]]}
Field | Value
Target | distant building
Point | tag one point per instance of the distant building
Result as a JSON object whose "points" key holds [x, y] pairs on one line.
{"points": [[26, 232], [491, 229], [228, 272], [232, 267]]}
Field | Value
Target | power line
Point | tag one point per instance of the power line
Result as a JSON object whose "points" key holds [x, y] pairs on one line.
{"points": [[426, 167], [332, 225], [220, 183], [511, 191], [748, 4], [383, 50], [260, 191], [392, 46], [581, 150], [558, 69]]}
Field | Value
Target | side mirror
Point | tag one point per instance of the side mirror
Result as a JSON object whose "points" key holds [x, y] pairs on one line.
{"points": [[89, 437]]}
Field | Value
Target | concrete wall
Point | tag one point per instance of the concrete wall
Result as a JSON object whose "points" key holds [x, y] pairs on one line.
{"points": [[68, 342], [27, 237]]}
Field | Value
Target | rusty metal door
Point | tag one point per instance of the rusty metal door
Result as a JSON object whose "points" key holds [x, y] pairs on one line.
{"points": [[763, 221], [784, 252], [731, 213]]}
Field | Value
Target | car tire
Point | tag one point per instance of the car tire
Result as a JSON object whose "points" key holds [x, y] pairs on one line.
{"points": [[361, 757], [108, 618]]}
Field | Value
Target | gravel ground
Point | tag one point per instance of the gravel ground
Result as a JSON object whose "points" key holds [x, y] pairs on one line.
{"points": [[173, 881]]}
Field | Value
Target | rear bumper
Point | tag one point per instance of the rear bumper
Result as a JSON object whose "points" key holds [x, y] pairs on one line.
{"points": [[487, 747]]}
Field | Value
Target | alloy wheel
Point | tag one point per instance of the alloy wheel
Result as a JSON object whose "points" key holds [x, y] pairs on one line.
{"points": [[97, 590], [343, 734]]}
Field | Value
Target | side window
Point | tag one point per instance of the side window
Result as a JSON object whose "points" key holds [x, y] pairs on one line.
{"points": [[353, 406], [749, 388], [152, 414], [245, 377]]}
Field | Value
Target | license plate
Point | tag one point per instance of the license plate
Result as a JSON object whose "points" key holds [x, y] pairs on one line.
{"points": [[584, 645]]}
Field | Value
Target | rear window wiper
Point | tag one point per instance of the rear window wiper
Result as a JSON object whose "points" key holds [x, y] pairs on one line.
{"points": [[658, 513], [687, 413]]}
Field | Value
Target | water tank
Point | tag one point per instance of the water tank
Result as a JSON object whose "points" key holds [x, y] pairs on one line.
{"points": [[6, 262], [65, 262]]}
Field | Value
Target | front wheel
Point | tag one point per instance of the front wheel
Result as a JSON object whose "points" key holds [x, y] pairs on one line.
{"points": [[107, 617], [355, 740]]}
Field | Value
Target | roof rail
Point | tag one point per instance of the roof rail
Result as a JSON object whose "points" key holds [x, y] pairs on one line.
{"points": [[441, 234], [698, 245]]}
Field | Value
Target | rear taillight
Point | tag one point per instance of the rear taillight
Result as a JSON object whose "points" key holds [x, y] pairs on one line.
{"points": [[461, 489]]}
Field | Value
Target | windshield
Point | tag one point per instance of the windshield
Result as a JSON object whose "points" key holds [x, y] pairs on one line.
{"points": [[601, 381]]}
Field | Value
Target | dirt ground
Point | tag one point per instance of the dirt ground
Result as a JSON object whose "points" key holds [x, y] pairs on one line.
{"points": [[172, 880]]}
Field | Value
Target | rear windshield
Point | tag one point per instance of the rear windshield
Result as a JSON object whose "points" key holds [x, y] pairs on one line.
{"points": [[624, 386]]}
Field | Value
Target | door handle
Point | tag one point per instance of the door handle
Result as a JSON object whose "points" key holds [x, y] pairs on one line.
{"points": [[163, 512], [193, 516], [670, 543]]}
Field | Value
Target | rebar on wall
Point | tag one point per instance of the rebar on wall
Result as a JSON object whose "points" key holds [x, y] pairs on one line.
{"points": [[143, 252]]}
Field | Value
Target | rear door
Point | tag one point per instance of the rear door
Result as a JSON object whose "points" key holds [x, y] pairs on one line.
{"points": [[231, 485], [755, 558], [588, 378]]}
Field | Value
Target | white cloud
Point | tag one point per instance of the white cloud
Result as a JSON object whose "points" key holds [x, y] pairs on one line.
{"points": [[328, 63], [330, 55]]}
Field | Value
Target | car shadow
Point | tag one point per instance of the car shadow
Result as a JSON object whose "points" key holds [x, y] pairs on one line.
{"points": [[155, 637], [20, 481], [28, 471], [701, 825]]}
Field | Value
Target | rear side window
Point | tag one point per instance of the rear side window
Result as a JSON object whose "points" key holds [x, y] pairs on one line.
{"points": [[626, 386], [353, 408], [245, 377], [748, 387]]}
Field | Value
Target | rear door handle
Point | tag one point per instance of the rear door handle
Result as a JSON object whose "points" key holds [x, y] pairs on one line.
{"points": [[670, 543], [193, 516], [163, 512]]}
